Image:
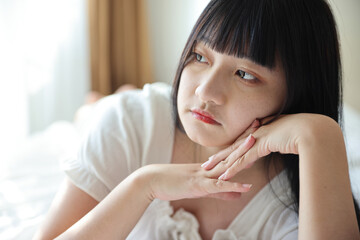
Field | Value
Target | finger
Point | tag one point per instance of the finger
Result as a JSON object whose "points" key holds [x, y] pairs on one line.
{"points": [[238, 153], [220, 186], [229, 161], [216, 158], [247, 159], [226, 158], [251, 129], [228, 196]]}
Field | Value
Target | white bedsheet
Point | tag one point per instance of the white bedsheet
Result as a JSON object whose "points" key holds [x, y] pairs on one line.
{"points": [[33, 176], [31, 179]]}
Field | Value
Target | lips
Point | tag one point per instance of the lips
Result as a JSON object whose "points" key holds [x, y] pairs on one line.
{"points": [[204, 116]]}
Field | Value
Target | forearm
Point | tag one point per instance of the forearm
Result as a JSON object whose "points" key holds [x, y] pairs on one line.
{"points": [[326, 206], [116, 215]]}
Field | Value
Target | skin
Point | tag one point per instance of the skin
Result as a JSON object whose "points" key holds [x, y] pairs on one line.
{"points": [[212, 85], [326, 207]]}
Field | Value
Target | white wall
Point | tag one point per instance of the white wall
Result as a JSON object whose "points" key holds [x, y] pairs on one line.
{"points": [[170, 24], [347, 14]]}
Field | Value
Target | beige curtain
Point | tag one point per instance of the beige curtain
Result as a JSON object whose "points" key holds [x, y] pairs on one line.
{"points": [[119, 44]]}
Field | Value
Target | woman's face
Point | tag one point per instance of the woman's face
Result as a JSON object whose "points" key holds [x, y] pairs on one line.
{"points": [[220, 96]]}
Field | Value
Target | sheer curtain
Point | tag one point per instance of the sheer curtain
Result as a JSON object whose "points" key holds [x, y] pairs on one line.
{"points": [[44, 65], [44, 76]]}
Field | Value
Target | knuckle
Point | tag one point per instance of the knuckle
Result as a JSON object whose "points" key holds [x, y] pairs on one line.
{"points": [[194, 182], [238, 185], [206, 187], [225, 162], [233, 147], [218, 183], [240, 161], [233, 158]]}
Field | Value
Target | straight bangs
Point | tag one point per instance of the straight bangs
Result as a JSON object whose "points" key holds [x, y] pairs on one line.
{"points": [[239, 28]]}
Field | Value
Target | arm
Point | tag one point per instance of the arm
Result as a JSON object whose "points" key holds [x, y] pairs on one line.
{"points": [[118, 213], [102, 221], [69, 205], [326, 206]]}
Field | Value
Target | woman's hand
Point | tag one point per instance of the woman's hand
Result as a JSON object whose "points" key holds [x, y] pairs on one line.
{"points": [[325, 189], [282, 135], [178, 181]]}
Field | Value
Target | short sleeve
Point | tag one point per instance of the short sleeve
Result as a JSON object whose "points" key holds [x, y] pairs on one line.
{"points": [[119, 140]]}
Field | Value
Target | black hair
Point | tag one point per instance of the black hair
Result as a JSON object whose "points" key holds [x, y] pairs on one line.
{"points": [[301, 34]]}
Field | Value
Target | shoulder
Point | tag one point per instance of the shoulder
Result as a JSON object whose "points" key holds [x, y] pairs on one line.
{"points": [[134, 105], [125, 132], [133, 119]]}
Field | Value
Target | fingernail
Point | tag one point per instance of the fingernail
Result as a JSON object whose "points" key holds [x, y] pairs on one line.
{"points": [[255, 123], [247, 185], [205, 164], [223, 176], [247, 139]]}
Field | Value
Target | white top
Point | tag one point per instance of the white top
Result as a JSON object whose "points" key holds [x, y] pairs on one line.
{"points": [[136, 128]]}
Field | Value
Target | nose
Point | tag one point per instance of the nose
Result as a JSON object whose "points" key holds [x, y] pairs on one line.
{"points": [[212, 88]]}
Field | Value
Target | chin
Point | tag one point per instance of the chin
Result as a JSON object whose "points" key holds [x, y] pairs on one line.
{"points": [[204, 135], [206, 140]]}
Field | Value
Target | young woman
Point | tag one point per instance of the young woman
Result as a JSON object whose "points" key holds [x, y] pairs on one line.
{"points": [[253, 149]]}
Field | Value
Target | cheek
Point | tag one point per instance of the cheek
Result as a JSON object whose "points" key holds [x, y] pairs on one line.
{"points": [[246, 110], [241, 116], [186, 88]]}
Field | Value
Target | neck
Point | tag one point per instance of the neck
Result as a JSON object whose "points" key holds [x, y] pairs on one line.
{"points": [[202, 153], [187, 151]]}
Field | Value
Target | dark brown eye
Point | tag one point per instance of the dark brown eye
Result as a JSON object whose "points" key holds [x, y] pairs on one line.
{"points": [[245, 75]]}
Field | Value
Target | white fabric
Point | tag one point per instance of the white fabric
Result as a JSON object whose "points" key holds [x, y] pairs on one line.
{"points": [[265, 217], [136, 128], [127, 131]]}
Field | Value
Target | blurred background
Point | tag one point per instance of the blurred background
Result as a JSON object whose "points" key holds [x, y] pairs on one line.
{"points": [[54, 52]]}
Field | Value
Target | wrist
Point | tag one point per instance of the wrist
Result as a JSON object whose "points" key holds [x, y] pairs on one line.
{"points": [[319, 133], [141, 181]]}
